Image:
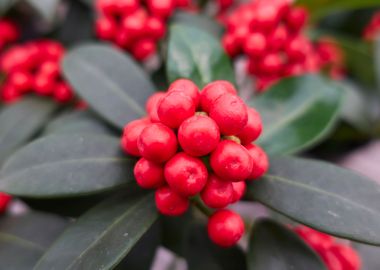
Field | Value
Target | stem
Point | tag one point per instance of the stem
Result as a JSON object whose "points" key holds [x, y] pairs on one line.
{"points": [[201, 207]]}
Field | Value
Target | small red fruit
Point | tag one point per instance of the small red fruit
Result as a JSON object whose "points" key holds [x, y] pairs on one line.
{"points": [[239, 190], [230, 113], [297, 18], [212, 91], [217, 193], [225, 228], [161, 8], [105, 28], [255, 44], [143, 48], [170, 203], [175, 108], [149, 174], [347, 256], [131, 134], [253, 128], [198, 135], [152, 104], [185, 174], [63, 92], [187, 87], [260, 161], [231, 161], [157, 143]]}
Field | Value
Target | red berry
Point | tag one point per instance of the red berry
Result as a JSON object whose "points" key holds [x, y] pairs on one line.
{"points": [[278, 38], [157, 143], [185, 174], [187, 87], [347, 256], [259, 160], [50, 69], [231, 161], [161, 8], [151, 106], [169, 203], [134, 24], [175, 108], [127, 6], [271, 63], [255, 44], [198, 135], [155, 27], [44, 85], [317, 240], [267, 17], [253, 128], [238, 191], [107, 7], [149, 174], [240, 35], [230, 45], [295, 49], [63, 93], [217, 193], [9, 94], [131, 134], [331, 261], [225, 228], [105, 28], [230, 113], [4, 201], [21, 80], [212, 91], [296, 18], [143, 48]]}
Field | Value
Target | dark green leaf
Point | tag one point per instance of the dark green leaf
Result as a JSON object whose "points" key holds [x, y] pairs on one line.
{"points": [[322, 196], [297, 113], [20, 121], [197, 55], [102, 237], [79, 122], [23, 241], [322, 8], [377, 62], [70, 165], [369, 256], [46, 8], [111, 82], [199, 21], [202, 254], [6, 4], [274, 247]]}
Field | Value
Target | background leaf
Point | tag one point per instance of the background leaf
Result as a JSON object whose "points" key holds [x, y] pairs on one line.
{"points": [[6, 4], [46, 8], [71, 165], [322, 196], [274, 247], [107, 233], [22, 241], [101, 73], [196, 55], [20, 121], [297, 113]]}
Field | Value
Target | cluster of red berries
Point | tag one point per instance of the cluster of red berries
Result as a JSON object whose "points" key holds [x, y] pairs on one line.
{"points": [[135, 25], [194, 143], [34, 67], [372, 30], [336, 256], [271, 35], [8, 32]]}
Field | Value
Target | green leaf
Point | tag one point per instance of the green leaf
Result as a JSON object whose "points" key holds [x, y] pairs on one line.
{"points": [[377, 62], [322, 196], [21, 121], [273, 246], [46, 8], [196, 55], [23, 241], [202, 254], [77, 122], [323, 8], [298, 113], [102, 237], [369, 256], [70, 165], [111, 82], [6, 4]]}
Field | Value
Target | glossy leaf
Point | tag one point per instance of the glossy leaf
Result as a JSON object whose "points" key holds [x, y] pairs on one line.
{"points": [[110, 81], [46, 8], [297, 113], [202, 254], [322, 8], [106, 234], [23, 241], [71, 165], [197, 55], [273, 246], [22, 120], [77, 122], [322, 196]]}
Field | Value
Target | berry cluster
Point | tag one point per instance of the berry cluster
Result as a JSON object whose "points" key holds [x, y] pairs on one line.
{"points": [[198, 143], [34, 67], [336, 256], [271, 36], [372, 30], [8, 32], [135, 25]]}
